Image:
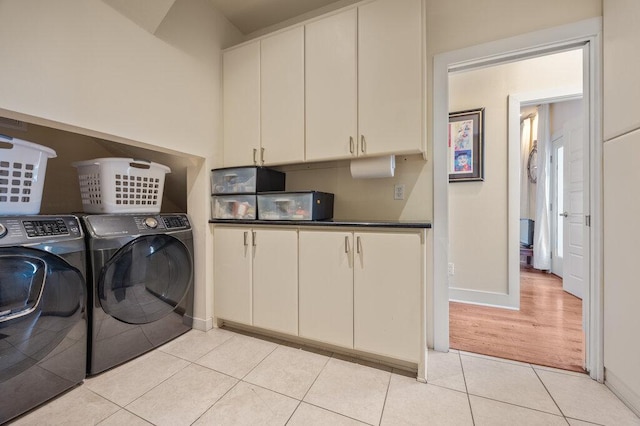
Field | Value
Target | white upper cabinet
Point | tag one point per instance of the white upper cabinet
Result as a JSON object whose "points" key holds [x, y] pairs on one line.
{"points": [[331, 86], [390, 78], [345, 85], [282, 97], [241, 103]]}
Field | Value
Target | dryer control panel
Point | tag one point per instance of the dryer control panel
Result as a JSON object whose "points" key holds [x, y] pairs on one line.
{"points": [[115, 225]]}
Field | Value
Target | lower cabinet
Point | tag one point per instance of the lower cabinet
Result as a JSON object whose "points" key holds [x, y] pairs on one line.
{"points": [[386, 294], [326, 287], [357, 290], [362, 290], [275, 280], [256, 277]]}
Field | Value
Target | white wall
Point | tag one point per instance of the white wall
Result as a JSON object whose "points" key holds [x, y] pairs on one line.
{"points": [[80, 65], [621, 201], [478, 210]]}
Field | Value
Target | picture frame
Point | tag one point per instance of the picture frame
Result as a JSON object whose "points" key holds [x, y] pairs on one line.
{"points": [[466, 145]]}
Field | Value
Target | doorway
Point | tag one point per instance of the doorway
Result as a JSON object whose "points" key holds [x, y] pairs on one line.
{"points": [[583, 35]]}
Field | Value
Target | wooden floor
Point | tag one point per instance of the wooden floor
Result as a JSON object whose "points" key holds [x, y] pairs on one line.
{"points": [[546, 331]]}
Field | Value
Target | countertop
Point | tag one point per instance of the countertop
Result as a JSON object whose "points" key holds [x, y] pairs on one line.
{"points": [[344, 223]]}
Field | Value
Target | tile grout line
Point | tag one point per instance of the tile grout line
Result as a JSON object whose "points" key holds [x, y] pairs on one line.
{"points": [[305, 394], [384, 404], [550, 396], [464, 378]]}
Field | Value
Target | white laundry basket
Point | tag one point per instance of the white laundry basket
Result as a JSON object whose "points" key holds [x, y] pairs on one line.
{"points": [[121, 185], [22, 170]]}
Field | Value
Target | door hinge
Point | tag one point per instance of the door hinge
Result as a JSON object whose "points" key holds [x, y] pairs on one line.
{"points": [[587, 220]]}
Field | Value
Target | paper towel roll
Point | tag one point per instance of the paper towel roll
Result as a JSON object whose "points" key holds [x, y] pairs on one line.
{"points": [[374, 167]]}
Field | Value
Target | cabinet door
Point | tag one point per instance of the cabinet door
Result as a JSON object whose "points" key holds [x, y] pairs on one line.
{"points": [[390, 88], [232, 274], [387, 295], [331, 87], [621, 67], [326, 286], [241, 104], [282, 100], [275, 280]]}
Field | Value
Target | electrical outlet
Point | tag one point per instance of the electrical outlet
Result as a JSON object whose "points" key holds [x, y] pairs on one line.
{"points": [[398, 192], [452, 269]]}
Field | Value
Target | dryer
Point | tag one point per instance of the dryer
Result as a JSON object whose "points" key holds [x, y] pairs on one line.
{"points": [[43, 321], [141, 286]]}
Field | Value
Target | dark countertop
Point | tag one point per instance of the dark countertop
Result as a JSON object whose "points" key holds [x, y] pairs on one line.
{"points": [[344, 223]]}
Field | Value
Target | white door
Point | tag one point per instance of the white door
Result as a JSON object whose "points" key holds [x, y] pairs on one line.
{"points": [[575, 245], [557, 206]]}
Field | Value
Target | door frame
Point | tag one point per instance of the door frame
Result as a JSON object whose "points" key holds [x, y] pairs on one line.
{"points": [[533, 44]]}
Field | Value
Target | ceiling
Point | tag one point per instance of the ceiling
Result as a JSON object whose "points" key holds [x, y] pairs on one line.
{"points": [[254, 15]]}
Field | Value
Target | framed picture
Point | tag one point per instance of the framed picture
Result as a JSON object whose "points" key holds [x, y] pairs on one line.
{"points": [[466, 145]]}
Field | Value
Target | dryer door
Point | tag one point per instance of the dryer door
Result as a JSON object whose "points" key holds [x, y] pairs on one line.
{"points": [[41, 301], [146, 279]]}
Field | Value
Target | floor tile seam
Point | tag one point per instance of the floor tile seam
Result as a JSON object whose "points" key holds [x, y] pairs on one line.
{"points": [[260, 362], [229, 375], [128, 411], [496, 359], [464, 378], [217, 400], [447, 388], [549, 392], [585, 421], [212, 349], [315, 379], [336, 412], [158, 384], [267, 389], [384, 403], [554, 370], [518, 405]]}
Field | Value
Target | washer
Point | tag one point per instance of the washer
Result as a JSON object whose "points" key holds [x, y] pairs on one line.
{"points": [[141, 286], [43, 316]]}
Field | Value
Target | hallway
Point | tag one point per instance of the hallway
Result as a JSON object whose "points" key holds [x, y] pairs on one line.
{"points": [[547, 330]]}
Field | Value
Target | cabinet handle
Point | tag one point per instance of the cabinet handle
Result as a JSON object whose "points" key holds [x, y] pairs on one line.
{"points": [[253, 238], [262, 156], [351, 145], [346, 244], [255, 151], [358, 245], [246, 234], [363, 144]]}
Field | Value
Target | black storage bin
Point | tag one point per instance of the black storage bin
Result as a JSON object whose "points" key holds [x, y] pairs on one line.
{"points": [[299, 205], [246, 180]]}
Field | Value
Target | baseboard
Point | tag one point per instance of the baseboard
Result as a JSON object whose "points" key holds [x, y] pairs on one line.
{"points": [[622, 391], [483, 298], [202, 324]]}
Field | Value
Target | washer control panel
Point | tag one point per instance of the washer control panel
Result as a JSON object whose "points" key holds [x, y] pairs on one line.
{"points": [[24, 229]]}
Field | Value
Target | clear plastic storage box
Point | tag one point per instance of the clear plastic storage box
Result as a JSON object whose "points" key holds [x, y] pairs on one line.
{"points": [[121, 185], [23, 166], [303, 205], [248, 180], [233, 207]]}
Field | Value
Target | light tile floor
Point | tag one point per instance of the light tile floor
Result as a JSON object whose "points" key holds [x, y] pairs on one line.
{"points": [[225, 378]]}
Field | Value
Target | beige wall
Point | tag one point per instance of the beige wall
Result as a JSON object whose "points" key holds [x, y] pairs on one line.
{"points": [[478, 210], [621, 201], [80, 65]]}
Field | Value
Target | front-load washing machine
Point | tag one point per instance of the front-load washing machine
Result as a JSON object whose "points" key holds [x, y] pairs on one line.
{"points": [[43, 316], [141, 286]]}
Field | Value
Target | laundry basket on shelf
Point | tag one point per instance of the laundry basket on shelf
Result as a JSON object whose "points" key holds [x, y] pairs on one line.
{"points": [[22, 170], [121, 185]]}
